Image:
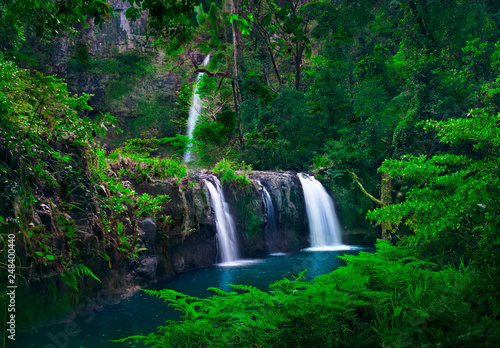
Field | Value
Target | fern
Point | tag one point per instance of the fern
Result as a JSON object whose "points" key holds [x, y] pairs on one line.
{"points": [[69, 277], [83, 271]]}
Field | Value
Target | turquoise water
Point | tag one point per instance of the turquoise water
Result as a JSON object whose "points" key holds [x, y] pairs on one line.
{"points": [[141, 313]]}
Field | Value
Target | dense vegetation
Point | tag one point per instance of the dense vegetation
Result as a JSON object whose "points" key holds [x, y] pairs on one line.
{"points": [[397, 97]]}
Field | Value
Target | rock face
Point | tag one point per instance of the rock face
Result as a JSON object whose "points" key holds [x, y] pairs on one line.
{"points": [[288, 202], [189, 240], [119, 34], [124, 74]]}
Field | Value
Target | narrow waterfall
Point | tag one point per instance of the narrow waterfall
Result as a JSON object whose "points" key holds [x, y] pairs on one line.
{"points": [[194, 112], [271, 229], [323, 223], [226, 231]]}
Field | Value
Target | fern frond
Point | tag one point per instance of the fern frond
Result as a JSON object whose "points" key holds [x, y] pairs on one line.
{"points": [[247, 288], [218, 291], [82, 270]]}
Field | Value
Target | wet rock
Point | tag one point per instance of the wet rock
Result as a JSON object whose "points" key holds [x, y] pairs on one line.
{"points": [[147, 231], [288, 202], [146, 269]]}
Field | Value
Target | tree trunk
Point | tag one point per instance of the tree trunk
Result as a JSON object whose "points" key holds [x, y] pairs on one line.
{"points": [[235, 46], [385, 198], [299, 49], [237, 107], [235, 78]]}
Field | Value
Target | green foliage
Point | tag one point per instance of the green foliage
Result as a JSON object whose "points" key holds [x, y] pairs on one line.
{"points": [[243, 24], [45, 20], [212, 134], [344, 86], [37, 111], [38, 103], [453, 193], [125, 206], [452, 205], [46, 147], [179, 142], [155, 118], [249, 210], [147, 168], [142, 166], [149, 206], [184, 95], [170, 22], [227, 171], [280, 134]]}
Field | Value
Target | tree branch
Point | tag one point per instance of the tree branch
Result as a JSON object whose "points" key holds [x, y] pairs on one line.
{"points": [[379, 202], [208, 72]]}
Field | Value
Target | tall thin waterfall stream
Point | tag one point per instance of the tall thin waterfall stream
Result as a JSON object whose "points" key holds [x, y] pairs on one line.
{"points": [[271, 229], [194, 113]]}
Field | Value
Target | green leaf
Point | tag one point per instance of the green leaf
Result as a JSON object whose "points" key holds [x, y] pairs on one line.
{"points": [[267, 20], [233, 17], [397, 310]]}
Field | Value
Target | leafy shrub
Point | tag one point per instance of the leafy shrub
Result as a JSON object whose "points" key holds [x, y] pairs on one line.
{"points": [[212, 135], [227, 171], [146, 167]]}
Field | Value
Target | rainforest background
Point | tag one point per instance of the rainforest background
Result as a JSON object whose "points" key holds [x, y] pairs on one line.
{"points": [[394, 105]]}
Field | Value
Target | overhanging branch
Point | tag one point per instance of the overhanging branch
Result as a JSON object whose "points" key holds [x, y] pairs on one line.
{"points": [[208, 72], [378, 201]]}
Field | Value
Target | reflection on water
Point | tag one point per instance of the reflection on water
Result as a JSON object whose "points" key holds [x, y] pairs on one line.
{"points": [[333, 248], [141, 313], [238, 263]]}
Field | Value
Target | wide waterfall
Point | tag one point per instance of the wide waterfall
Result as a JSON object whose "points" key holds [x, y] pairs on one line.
{"points": [[226, 231], [323, 223], [271, 231], [194, 112]]}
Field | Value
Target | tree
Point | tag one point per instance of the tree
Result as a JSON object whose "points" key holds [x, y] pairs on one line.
{"points": [[44, 20], [455, 193]]}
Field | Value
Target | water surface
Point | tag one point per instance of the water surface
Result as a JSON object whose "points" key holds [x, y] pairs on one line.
{"points": [[141, 313]]}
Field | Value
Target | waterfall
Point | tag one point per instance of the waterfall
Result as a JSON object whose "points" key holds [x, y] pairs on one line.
{"points": [[271, 230], [226, 231], [323, 223], [194, 112]]}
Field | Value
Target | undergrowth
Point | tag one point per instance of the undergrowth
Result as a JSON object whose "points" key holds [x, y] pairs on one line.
{"points": [[144, 166], [56, 181], [233, 172], [387, 298]]}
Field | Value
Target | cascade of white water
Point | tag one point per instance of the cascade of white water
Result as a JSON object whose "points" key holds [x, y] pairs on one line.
{"points": [[323, 223], [194, 112], [226, 231], [271, 230]]}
